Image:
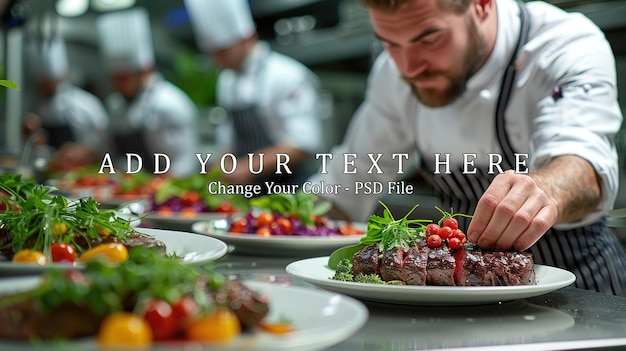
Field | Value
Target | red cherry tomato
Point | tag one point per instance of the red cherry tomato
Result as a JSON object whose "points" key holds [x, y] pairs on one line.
{"points": [[238, 226], [454, 243], [264, 231], [460, 235], [445, 232], [451, 222], [189, 198], [225, 207], [160, 316], [432, 228], [264, 219], [185, 309], [62, 253], [284, 225], [434, 241]]}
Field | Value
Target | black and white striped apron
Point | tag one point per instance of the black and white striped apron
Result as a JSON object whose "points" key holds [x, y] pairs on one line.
{"points": [[251, 135], [593, 253]]}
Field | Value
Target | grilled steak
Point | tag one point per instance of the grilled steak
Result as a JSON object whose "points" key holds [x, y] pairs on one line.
{"points": [[467, 266]]}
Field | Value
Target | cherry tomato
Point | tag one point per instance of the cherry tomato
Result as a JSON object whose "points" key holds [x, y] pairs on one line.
{"points": [[189, 198], [434, 241], [221, 326], [62, 252], [454, 243], [320, 221], [264, 231], [451, 222], [188, 212], [284, 225], [264, 219], [111, 252], [124, 330], [432, 228], [460, 235], [165, 211], [445, 232], [185, 308], [30, 256], [225, 207], [349, 229], [160, 316], [238, 226], [59, 229]]}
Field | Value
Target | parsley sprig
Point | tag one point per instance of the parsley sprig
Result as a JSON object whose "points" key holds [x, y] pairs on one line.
{"points": [[387, 231], [34, 217]]}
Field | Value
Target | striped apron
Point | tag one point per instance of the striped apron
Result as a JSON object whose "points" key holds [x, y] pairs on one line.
{"points": [[251, 135], [593, 253]]}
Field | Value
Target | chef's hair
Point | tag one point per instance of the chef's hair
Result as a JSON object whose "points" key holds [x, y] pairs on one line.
{"points": [[391, 6]]}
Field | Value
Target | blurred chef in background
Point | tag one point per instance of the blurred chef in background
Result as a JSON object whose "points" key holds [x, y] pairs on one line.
{"points": [[271, 99], [73, 120], [149, 115]]}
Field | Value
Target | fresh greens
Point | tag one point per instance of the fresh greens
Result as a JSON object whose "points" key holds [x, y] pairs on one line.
{"points": [[146, 274], [387, 231], [305, 206], [35, 217]]}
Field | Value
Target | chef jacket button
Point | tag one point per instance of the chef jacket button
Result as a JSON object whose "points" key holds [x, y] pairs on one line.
{"points": [[485, 94]]}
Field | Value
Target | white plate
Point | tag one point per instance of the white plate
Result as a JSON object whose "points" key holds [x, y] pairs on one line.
{"points": [[176, 221], [324, 320], [192, 248], [316, 271], [277, 245]]}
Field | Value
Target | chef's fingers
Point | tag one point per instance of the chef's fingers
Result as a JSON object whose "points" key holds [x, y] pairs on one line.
{"points": [[504, 213], [545, 218], [487, 205], [521, 221]]}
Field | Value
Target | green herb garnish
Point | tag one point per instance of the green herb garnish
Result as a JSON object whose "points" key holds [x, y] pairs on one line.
{"points": [[305, 206], [387, 231]]}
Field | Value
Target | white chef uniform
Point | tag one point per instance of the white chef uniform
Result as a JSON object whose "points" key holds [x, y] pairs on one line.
{"points": [[565, 53], [272, 99], [162, 118], [71, 114]]}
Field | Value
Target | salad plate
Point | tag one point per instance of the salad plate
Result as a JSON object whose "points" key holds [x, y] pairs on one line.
{"points": [[191, 248], [278, 245], [315, 271], [180, 221], [335, 317]]}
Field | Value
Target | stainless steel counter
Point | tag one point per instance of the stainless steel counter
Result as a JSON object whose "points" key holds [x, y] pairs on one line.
{"points": [[566, 319]]}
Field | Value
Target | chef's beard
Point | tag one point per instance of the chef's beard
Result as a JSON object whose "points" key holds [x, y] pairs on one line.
{"points": [[457, 79]]}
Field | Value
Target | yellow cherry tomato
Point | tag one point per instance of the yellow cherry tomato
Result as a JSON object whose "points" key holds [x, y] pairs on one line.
{"points": [[111, 252], [221, 326], [59, 229], [30, 256], [124, 330]]}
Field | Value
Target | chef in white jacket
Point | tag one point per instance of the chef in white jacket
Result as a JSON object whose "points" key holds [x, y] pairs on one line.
{"points": [[149, 115], [496, 77], [74, 120], [271, 99]]}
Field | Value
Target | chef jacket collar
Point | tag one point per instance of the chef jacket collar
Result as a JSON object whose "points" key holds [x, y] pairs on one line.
{"points": [[252, 63], [506, 40]]}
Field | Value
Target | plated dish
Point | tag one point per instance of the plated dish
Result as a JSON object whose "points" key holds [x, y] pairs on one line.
{"points": [[334, 316], [192, 248], [276, 245], [315, 271], [178, 221]]}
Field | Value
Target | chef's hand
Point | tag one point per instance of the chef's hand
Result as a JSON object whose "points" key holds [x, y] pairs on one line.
{"points": [[513, 212]]}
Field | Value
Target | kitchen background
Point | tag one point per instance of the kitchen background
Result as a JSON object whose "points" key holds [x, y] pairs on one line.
{"points": [[333, 37]]}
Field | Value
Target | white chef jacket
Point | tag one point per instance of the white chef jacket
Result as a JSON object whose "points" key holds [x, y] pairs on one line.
{"points": [[168, 118], [79, 109], [286, 95], [563, 50]]}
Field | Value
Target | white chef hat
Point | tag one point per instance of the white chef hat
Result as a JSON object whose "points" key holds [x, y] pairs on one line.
{"points": [[219, 24], [126, 40], [50, 58]]}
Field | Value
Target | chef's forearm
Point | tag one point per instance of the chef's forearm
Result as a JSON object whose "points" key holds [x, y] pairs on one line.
{"points": [[573, 184]]}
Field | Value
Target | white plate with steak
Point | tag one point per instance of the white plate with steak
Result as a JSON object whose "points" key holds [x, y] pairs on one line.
{"points": [[316, 271]]}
